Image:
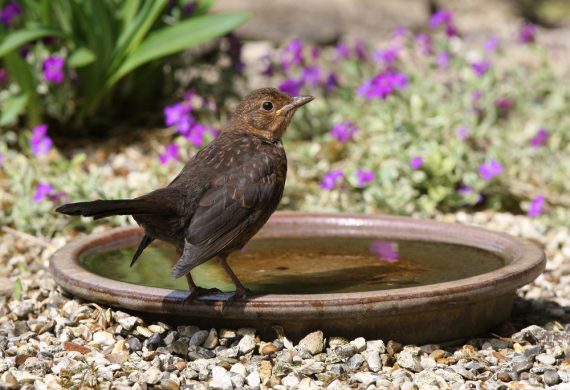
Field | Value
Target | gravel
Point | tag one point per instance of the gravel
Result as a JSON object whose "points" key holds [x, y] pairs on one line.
{"points": [[49, 340]]}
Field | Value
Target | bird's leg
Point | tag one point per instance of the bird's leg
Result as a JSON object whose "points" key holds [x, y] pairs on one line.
{"points": [[241, 291], [196, 291]]}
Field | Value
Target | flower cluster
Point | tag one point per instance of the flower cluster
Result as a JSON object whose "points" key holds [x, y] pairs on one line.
{"points": [[53, 69], [444, 18], [179, 115], [344, 131], [40, 143], [383, 85], [332, 179], [9, 13]]}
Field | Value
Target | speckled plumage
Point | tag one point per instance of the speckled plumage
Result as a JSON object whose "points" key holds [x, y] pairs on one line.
{"points": [[223, 195]]}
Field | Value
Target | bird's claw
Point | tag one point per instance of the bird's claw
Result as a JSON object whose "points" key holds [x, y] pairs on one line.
{"points": [[239, 293], [200, 291]]}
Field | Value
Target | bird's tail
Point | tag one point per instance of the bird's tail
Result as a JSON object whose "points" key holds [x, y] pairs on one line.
{"points": [[105, 208]]}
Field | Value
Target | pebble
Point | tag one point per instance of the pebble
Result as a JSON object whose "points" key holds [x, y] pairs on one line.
{"points": [[48, 336], [198, 338], [551, 378], [221, 380], [246, 344], [313, 342]]}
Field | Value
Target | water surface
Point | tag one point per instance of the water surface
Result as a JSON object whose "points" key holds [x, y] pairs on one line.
{"points": [[304, 265]]}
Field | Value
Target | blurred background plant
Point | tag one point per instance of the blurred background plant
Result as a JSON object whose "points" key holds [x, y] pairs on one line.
{"points": [[85, 65], [422, 123]]}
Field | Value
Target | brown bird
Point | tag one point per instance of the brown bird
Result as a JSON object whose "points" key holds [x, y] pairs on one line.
{"points": [[222, 196]]}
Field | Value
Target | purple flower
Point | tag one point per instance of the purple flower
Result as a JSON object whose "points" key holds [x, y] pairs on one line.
{"points": [[311, 75], [42, 191], [440, 17], [234, 52], [292, 54], [189, 8], [344, 131], [291, 86], [535, 208], [315, 53], [445, 18], [492, 44], [504, 105], [400, 32], [53, 69], [171, 152], [481, 67], [331, 179], [490, 170], [176, 113], [462, 132], [8, 13], [424, 43], [364, 176], [465, 190], [361, 49], [331, 82], [2, 158], [540, 138], [40, 142], [527, 33], [384, 250], [387, 56], [383, 85], [416, 162], [342, 51], [3, 76], [443, 60], [196, 134], [269, 70]]}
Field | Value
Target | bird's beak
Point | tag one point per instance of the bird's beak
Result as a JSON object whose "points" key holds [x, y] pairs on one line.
{"points": [[298, 101]]}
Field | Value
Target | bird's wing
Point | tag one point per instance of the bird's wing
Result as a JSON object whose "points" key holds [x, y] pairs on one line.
{"points": [[236, 200]]}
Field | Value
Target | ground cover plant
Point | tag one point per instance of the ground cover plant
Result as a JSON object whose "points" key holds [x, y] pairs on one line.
{"points": [[422, 124]]}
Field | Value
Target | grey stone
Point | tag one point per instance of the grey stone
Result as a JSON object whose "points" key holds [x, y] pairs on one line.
{"points": [[355, 361], [198, 338], [180, 346], [228, 352], [154, 341], [520, 363], [551, 378], [152, 376]]}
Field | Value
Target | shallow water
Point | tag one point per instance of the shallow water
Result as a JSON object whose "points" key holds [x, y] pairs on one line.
{"points": [[306, 265]]}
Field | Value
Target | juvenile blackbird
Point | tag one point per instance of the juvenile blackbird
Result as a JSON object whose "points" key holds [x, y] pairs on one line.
{"points": [[223, 195]]}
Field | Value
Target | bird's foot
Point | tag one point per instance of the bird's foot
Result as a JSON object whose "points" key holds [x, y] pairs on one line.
{"points": [[200, 291], [239, 293]]}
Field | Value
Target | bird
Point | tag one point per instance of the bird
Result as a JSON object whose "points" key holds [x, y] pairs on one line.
{"points": [[223, 195]]}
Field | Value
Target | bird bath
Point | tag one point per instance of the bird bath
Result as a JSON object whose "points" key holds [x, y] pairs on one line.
{"points": [[316, 271]]}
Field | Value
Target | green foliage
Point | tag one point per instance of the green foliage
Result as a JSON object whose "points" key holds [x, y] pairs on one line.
{"points": [[107, 46]]}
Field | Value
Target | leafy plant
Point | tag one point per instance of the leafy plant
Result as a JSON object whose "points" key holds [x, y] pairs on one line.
{"points": [[100, 51]]}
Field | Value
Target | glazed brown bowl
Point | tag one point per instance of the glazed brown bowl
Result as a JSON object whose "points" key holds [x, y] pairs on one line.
{"points": [[432, 313]]}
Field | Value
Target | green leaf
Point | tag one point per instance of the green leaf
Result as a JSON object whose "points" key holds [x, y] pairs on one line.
{"points": [[173, 39], [81, 57], [18, 38], [17, 292], [12, 108]]}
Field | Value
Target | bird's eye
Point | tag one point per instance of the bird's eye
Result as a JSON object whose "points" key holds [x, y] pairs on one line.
{"points": [[267, 106]]}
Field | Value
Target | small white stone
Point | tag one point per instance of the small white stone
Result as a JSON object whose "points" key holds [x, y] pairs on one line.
{"points": [[359, 343], [246, 344], [374, 362], [313, 342], [239, 368], [253, 379], [103, 338], [221, 380], [291, 380]]}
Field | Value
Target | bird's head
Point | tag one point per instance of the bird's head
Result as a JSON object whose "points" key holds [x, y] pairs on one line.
{"points": [[266, 112]]}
